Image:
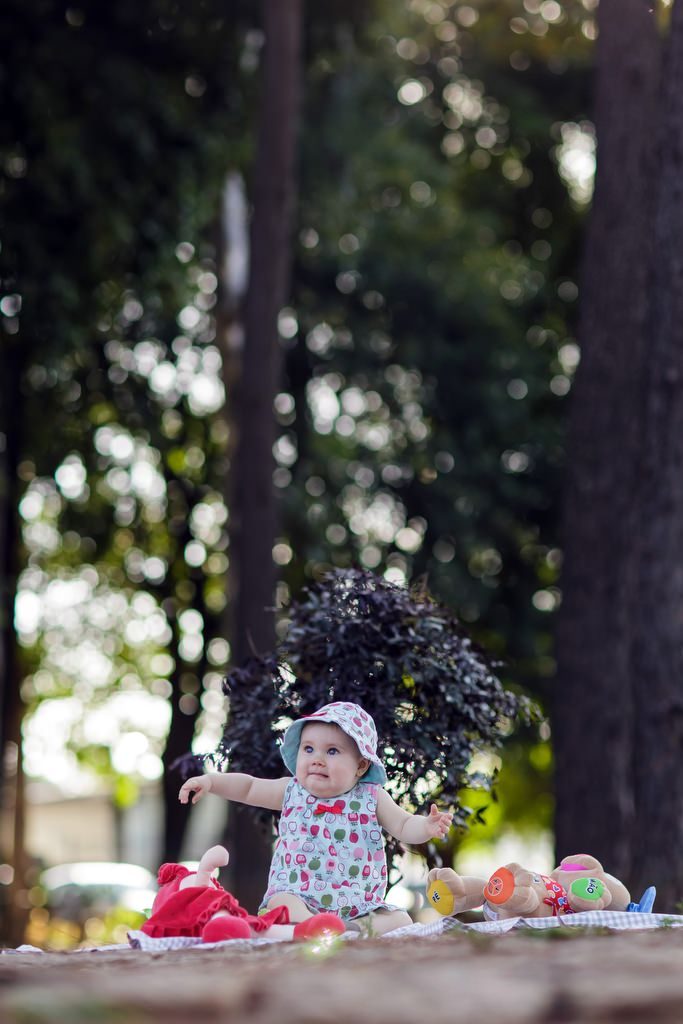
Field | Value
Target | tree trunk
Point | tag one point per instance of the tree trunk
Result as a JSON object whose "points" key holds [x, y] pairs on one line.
{"points": [[178, 744], [184, 709], [10, 447], [659, 645], [253, 508], [17, 917], [11, 706], [594, 703]]}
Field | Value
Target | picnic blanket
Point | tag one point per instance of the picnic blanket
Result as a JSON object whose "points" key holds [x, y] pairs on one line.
{"points": [[610, 920]]}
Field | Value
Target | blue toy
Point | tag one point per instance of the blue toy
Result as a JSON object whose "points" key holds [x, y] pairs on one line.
{"points": [[647, 902]]}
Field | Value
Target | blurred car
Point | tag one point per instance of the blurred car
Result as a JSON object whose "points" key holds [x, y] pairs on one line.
{"points": [[78, 892]]}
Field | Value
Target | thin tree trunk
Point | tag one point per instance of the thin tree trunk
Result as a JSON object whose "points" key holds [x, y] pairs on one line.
{"points": [[659, 645], [11, 705], [178, 743], [273, 196], [253, 506], [593, 706], [232, 248], [18, 906], [10, 447], [184, 714]]}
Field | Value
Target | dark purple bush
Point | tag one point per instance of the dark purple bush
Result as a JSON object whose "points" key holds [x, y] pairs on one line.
{"points": [[353, 636]]}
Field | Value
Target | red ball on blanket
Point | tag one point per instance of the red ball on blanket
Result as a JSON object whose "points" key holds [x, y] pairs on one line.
{"points": [[223, 927], [321, 924]]}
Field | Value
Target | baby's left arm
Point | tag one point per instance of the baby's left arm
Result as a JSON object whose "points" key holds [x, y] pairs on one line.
{"points": [[411, 828]]}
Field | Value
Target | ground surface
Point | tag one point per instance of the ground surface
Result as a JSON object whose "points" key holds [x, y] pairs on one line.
{"points": [[554, 977]]}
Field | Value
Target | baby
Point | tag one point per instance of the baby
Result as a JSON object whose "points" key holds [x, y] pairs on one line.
{"points": [[329, 856]]}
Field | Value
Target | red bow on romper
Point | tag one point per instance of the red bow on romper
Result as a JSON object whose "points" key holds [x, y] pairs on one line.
{"points": [[336, 808]]}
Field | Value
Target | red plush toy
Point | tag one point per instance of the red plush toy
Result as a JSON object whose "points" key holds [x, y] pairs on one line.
{"points": [[195, 904]]}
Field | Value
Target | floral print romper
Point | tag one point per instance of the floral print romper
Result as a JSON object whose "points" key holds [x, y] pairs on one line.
{"points": [[330, 853]]}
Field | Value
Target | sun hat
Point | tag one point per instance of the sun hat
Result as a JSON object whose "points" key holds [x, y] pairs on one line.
{"points": [[351, 719]]}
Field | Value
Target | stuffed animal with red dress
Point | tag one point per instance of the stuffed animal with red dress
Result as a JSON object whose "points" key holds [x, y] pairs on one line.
{"points": [[195, 904], [578, 883]]}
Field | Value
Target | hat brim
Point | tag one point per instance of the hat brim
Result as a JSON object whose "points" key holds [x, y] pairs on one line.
{"points": [[290, 748]]}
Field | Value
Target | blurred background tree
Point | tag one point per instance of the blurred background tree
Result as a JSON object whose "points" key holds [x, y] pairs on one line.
{"points": [[431, 343], [619, 638], [121, 125], [658, 590], [599, 616], [426, 348], [252, 499]]}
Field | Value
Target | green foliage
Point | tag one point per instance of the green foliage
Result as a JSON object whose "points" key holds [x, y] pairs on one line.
{"points": [[51, 932], [521, 799], [123, 122], [434, 303], [432, 308], [126, 792], [401, 656]]}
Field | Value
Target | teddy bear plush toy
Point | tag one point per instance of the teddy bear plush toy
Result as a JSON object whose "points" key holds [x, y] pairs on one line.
{"points": [[578, 883]]}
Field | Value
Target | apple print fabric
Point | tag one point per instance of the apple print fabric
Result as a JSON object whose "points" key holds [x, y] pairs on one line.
{"points": [[330, 852]]}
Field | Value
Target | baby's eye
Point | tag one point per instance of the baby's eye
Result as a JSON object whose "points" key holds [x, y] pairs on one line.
{"points": [[333, 750], [308, 749]]}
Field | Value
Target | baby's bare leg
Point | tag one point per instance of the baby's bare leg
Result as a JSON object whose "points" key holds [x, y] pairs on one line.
{"points": [[298, 911], [382, 921]]}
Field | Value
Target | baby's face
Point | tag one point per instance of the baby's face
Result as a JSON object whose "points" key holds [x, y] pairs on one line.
{"points": [[328, 762]]}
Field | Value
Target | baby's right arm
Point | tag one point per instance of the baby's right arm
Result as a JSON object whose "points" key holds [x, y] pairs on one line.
{"points": [[243, 789]]}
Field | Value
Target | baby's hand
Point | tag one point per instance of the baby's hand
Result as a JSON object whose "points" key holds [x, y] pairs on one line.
{"points": [[199, 785], [438, 822]]}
